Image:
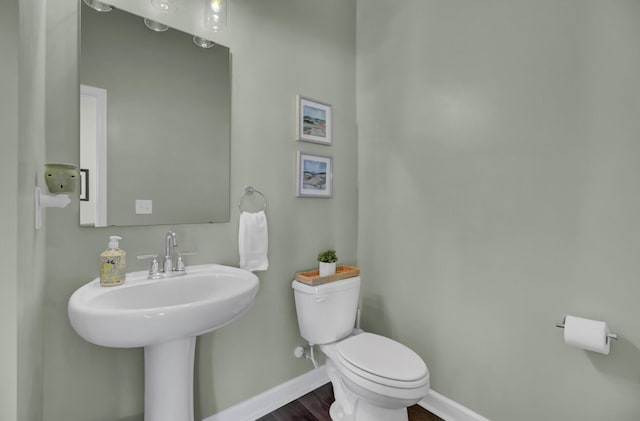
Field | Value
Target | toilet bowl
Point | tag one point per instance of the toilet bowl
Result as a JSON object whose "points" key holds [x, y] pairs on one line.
{"points": [[374, 378]]}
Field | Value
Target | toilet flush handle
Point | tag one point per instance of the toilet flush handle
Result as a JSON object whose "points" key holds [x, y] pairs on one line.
{"points": [[321, 298]]}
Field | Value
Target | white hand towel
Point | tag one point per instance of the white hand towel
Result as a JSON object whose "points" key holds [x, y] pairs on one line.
{"points": [[253, 241]]}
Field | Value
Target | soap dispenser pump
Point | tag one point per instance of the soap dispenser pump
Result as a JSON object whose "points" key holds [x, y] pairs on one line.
{"points": [[113, 264]]}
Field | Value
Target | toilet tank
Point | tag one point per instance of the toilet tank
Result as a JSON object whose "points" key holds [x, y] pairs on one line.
{"points": [[327, 312]]}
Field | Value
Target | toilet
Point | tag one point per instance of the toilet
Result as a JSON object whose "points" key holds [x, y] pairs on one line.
{"points": [[374, 378]]}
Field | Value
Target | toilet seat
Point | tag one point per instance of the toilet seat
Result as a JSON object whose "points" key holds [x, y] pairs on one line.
{"points": [[380, 360]]}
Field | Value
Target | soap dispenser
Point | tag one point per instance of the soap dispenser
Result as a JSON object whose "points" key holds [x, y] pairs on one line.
{"points": [[113, 264]]}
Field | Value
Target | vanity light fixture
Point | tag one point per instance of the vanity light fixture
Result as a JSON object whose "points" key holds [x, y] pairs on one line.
{"points": [[155, 26], [215, 15], [203, 43], [98, 5]]}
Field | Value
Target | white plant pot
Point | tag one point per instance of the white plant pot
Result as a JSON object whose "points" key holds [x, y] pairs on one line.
{"points": [[327, 269]]}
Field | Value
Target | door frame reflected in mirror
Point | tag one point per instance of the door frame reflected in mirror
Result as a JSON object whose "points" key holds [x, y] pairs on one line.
{"points": [[93, 154]]}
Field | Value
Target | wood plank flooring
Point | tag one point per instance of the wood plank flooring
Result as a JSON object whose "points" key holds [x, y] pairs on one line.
{"points": [[314, 406]]}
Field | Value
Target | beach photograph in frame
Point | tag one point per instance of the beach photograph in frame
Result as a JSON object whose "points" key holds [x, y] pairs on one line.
{"points": [[314, 175], [313, 121]]}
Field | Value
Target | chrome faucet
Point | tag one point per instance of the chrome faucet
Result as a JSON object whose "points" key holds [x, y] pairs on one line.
{"points": [[170, 242]]}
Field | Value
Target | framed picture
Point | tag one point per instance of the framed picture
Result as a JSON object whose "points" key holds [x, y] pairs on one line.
{"points": [[313, 121], [84, 185], [314, 175]]}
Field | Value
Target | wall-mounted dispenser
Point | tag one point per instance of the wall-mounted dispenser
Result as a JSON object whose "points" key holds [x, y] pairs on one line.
{"points": [[60, 178]]}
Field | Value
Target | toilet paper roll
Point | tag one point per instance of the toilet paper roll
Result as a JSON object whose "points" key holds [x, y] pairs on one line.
{"points": [[587, 334]]}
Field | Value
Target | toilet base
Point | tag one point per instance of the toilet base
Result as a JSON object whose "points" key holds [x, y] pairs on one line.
{"points": [[349, 406], [366, 412], [337, 414]]}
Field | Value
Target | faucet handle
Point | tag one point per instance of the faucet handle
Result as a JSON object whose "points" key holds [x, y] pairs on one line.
{"points": [[153, 269], [180, 263]]}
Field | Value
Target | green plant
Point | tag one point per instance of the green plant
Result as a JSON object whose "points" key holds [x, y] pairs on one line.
{"points": [[328, 256]]}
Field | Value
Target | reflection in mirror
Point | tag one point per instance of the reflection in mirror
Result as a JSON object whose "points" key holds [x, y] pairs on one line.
{"points": [[155, 125]]}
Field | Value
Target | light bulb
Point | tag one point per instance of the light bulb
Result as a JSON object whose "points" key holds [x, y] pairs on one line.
{"points": [[215, 14], [164, 6], [155, 26], [203, 43], [98, 5]]}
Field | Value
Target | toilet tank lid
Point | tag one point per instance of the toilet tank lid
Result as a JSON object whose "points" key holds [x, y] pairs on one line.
{"points": [[329, 287]]}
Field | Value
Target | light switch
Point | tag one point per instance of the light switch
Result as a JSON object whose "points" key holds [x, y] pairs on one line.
{"points": [[144, 207]]}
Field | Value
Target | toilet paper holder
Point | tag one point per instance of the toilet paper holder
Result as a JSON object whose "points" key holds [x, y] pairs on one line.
{"points": [[610, 336]]}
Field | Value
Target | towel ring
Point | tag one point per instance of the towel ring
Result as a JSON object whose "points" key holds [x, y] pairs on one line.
{"points": [[249, 190]]}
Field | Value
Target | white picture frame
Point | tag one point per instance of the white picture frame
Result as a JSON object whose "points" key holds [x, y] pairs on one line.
{"points": [[313, 121], [314, 175]]}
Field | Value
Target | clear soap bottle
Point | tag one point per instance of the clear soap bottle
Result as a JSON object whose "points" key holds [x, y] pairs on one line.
{"points": [[113, 264]]}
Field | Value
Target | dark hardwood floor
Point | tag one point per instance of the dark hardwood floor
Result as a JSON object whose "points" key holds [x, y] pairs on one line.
{"points": [[314, 406]]}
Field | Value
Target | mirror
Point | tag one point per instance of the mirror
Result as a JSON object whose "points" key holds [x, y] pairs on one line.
{"points": [[155, 124]]}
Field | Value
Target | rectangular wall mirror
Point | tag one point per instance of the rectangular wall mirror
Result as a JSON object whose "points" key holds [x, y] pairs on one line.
{"points": [[155, 124]]}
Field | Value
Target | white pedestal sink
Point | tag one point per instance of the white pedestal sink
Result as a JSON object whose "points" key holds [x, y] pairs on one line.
{"points": [[164, 316]]}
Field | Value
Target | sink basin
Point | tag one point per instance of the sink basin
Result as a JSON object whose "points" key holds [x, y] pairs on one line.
{"points": [[164, 316], [145, 311]]}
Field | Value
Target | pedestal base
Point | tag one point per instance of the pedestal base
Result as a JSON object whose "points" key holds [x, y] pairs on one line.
{"points": [[168, 380]]}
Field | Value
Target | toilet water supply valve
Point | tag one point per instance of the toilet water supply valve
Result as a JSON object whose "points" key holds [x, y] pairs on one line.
{"points": [[300, 352]]}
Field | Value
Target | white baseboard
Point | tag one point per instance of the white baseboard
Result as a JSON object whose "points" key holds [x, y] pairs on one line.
{"points": [[272, 399], [447, 409]]}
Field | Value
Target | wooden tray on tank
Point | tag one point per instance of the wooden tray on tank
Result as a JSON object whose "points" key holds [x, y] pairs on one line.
{"points": [[312, 277]]}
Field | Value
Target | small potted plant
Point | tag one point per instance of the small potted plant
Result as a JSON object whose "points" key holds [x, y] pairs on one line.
{"points": [[327, 259]]}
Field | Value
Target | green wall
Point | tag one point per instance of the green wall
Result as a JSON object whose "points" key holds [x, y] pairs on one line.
{"points": [[498, 167], [9, 49], [279, 49], [30, 243]]}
